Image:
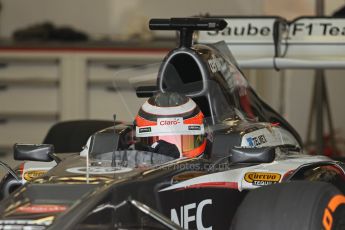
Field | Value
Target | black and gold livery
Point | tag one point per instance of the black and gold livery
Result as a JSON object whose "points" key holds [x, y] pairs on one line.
{"points": [[146, 190]]}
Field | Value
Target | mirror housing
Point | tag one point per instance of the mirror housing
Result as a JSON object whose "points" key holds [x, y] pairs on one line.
{"points": [[146, 91], [106, 140], [33, 152], [253, 155]]}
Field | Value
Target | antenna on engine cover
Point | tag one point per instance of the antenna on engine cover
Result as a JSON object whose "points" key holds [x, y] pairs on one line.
{"points": [[187, 26], [113, 157]]}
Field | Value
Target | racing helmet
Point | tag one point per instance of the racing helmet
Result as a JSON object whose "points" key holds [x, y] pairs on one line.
{"points": [[172, 118]]}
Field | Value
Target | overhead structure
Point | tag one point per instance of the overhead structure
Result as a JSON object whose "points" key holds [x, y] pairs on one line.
{"points": [[273, 42], [304, 43]]}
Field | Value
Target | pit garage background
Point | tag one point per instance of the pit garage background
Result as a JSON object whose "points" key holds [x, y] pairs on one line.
{"points": [[44, 83]]}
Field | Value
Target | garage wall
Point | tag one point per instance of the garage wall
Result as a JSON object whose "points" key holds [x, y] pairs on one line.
{"points": [[296, 101], [82, 14], [112, 17], [116, 17]]}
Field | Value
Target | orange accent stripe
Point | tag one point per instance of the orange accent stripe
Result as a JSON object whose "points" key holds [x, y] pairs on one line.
{"points": [[195, 152], [197, 119], [143, 122], [327, 219], [21, 169], [336, 201], [229, 185]]}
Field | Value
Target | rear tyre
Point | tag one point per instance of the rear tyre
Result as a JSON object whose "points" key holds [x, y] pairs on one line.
{"points": [[295, 205]]}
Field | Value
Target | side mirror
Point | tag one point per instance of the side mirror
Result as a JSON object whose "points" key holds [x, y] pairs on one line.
{"points": [[31, 152], [103, 141], [253, 155]]}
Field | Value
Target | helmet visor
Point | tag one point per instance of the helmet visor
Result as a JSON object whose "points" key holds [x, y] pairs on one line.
{"points": [[188, 145]]}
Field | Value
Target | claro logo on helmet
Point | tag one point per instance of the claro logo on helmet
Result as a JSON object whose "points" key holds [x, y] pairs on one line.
{"points": [[262, 178], [170, 121]]}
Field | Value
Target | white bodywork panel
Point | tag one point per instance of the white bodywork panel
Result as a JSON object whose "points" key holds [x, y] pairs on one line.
{"points": [[35, 166], [280, 167]]}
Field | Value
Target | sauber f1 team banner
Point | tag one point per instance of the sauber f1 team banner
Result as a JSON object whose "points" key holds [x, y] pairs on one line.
{"points": [[251, 39]]}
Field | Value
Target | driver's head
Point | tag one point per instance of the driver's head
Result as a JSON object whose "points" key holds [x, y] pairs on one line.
{"points": [[172, 118]]}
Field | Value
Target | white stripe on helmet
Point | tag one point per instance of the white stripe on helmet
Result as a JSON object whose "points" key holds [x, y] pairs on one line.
{"points": [[180, 109]]}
